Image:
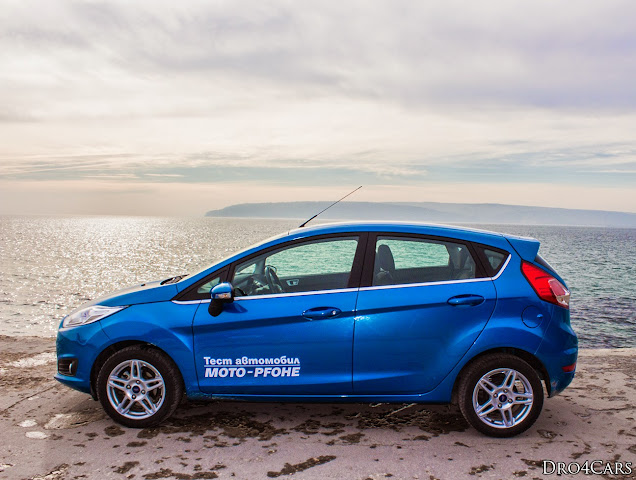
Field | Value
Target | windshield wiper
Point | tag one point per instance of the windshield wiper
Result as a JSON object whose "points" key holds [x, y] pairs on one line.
{"points": [[174, 279]]}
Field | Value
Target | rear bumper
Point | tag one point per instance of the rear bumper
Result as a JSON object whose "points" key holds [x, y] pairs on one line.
{"points": [[558, 350]]}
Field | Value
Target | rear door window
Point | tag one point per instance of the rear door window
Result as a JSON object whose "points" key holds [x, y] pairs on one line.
{"points": [[404, 260]]}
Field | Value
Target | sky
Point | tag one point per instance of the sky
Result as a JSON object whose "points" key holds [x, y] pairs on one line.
{"points": [[175, 108]]}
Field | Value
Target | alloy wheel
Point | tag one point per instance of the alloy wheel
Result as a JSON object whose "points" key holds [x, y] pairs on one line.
{"points": [[503, 398], [136, 389]]}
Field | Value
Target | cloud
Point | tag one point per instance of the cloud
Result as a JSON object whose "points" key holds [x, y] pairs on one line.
{"points": [[116, 176], [171, 175], [292, 93], [121, 58]]}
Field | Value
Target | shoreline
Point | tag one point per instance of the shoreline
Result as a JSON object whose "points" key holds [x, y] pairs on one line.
{"points": [[56, 433]]}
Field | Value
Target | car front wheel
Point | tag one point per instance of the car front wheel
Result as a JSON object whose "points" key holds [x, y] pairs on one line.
{"points": [[500, 395], [139, 387]]}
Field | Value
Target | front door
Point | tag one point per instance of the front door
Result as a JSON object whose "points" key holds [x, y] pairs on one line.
{"points": [[289, 330]]}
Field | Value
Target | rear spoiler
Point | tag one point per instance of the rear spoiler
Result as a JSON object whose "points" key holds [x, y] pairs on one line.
{"points": [[526, 247], [528, 250]]}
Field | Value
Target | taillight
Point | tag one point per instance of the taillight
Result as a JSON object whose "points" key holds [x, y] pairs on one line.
{"points": [[547, 287]]}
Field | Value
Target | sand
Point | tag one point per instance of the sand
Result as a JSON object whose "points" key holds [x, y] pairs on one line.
{"points": [[51, 432]]}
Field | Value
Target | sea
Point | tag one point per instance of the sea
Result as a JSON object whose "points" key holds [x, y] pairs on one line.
{"points": [[53, 264]]}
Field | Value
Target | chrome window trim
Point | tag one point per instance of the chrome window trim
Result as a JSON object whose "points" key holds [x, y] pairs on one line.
{"points": [[424, 284], [444, 282], [501, 270], [297, 294], [188, 302], [273, 295]]}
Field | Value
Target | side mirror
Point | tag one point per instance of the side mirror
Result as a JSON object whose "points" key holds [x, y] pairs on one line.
{"points": [[220, 295]]}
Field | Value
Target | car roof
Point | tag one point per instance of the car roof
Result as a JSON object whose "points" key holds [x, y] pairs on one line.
{"points": [[393, 226]]}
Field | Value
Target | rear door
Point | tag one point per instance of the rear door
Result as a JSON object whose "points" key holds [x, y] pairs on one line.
{"points": [[425, 304]]}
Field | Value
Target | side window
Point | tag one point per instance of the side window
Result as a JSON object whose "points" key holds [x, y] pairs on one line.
{"points": [[201, 289], [495, 259], [400, 260], [206, 287], [316, 265]]}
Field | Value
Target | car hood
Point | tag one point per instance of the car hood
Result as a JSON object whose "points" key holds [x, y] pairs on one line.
{"points": [[148, 292]]}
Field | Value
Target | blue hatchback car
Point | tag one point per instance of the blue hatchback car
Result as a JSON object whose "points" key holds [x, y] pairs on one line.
{"points": [[357, 312]]}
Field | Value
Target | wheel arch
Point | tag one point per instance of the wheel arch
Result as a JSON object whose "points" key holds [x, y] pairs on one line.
{"points": [[533, 361], [116, 347]]}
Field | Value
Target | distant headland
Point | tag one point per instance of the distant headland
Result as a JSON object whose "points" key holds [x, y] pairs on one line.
{"points": [[431, 212]]}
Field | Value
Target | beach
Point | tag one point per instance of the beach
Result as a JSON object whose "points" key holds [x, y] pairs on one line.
{"points": [[52, 432]]}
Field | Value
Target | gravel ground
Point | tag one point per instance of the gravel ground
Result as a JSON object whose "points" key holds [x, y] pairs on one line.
{"points": [[54, 433]]}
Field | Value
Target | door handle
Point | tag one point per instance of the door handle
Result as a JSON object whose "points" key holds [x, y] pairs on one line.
{"points": [[321, 312], [466, 300]]}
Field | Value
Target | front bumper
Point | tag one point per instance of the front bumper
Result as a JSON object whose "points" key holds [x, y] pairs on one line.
{"points": [[79, 346]]}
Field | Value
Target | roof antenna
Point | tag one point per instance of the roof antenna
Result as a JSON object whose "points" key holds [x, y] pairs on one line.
{"points": [[338, 201]]}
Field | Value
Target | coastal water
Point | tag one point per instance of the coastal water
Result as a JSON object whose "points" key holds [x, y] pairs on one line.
{"points": [[51, 265]]}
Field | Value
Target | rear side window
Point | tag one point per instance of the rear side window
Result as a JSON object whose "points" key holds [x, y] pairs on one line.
{"points": [[403, 260], [494, 259]]}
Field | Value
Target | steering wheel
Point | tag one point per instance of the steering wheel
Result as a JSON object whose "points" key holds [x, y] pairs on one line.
{"points": [[273, 282]]}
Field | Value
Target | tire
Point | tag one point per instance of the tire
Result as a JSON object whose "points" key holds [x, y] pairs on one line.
{"points": [[485, 398], [139, 387]]}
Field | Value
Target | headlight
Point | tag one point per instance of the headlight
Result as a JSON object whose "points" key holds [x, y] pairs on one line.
{"points": [[89, 315]]}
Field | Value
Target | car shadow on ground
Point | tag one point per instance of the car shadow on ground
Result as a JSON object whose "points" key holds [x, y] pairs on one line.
{"points": [[241, 420]]}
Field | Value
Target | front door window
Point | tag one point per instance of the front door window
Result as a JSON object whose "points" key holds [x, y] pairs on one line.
{"points": [[310, 266]]}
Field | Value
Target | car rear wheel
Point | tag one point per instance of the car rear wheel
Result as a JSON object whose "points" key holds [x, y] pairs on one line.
{"points": [[139, 387], [500, 395]]}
